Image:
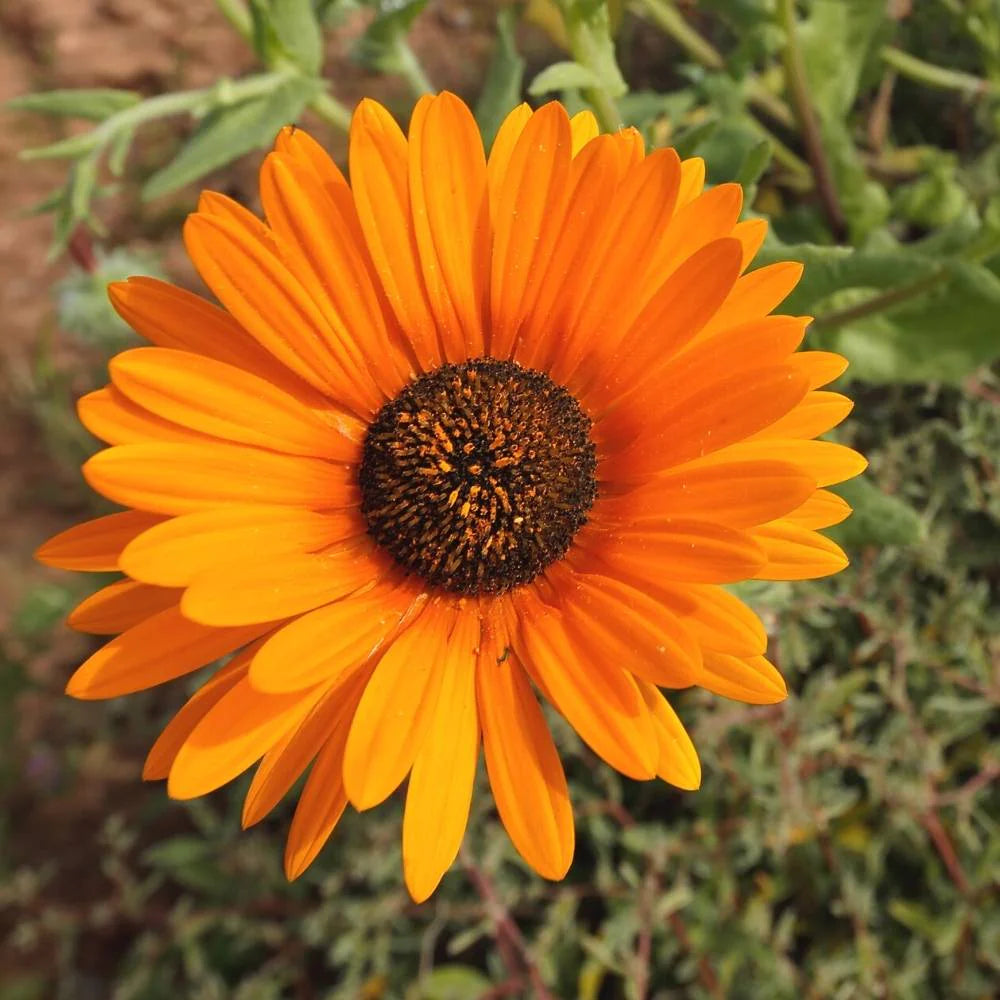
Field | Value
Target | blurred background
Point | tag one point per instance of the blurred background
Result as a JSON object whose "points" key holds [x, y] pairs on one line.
{"points": [[844, 844]]}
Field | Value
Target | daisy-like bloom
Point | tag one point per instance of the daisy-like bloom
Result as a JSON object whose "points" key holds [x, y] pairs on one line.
{"points": [[466, 432]]}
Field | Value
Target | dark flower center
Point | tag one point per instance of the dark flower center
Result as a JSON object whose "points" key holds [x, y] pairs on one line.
{"points": [[477, 476]]}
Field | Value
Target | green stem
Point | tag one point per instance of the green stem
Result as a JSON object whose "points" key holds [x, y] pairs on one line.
{"points": [[410, 68], [798, 88], [670, 20], [161, 106], [236, 13], [878, 303], [978, 251], [935, 76], [584, 49], [331, 111]]}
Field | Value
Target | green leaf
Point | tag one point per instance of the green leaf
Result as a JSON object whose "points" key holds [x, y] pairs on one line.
{"points": [[588, 25], [836, 40], [563, 76], [95, 104], [289, 30], [755, 161], [231, 131], [453, 982], [935, 323], [383, 45], [878, 518], [504, 79], [65, 149]]}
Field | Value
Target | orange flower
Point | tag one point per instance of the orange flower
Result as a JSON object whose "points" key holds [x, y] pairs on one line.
{"points": [[466, 431]]}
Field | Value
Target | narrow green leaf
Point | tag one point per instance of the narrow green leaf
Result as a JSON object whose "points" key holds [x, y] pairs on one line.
{"points": [[878, 518], [380, 47], [298, 33], [231, 131], [755, 162], [65, 149], [94, 104], [504, 79], [563, 76]]}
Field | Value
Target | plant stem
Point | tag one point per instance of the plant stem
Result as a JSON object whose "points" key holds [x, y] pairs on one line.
{"points": [[331, 111], [411, 69], [978, 251], [878, 303], [584, 49], [935, 76], [798, 88], [510, 941], [236, 13], [667, 17], [670, 19]]}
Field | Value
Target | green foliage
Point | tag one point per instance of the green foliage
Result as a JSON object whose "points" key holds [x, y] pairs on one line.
{"points": [[230, 130], [844, 844], [502, 86]]}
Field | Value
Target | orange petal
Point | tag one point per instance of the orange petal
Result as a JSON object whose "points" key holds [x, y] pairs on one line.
{"points": [[119, 606], [584, 128], [235, 732], [326, 643], [598, 698], [525, 773], [439, 793], [220, 400], [503, 146], [322, 802], [593, 308], [396, 710], [174, 478], [821, 367], [678, 762], [681, 368], [825, 461], [247, 590], [254, 284], [450, 212], [530, 191], [331, 261], [756, 294], [797, 553], [305, 151], [738, 494], [676, 549], [114, 418], [709, 217], [718, 620], [284, 763], [692, 180], [159, 649], [625, 627], [708, 419], [674, 315], [164, 751], [594, 178], [378, 154], [753, 680], [822, 510], [816, 414], [178, 549], [751, 234], [95, 546], [174, 318]]}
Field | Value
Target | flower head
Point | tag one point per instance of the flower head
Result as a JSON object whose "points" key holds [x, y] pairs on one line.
{"points": [[466, 433]]}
